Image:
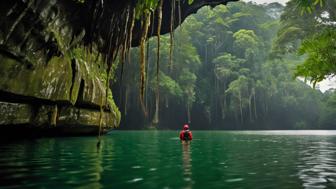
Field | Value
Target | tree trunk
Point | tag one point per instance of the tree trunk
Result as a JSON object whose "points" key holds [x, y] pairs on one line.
{"points": [[250, 105], [147, 76], [188, 113], [250, 108], [126, 99], [216, 100], [224, 102], [241, 108], [255, 104], [266, 106], [156, 114], [206, 54], [236, 116], [167, 103], [223, 109]]}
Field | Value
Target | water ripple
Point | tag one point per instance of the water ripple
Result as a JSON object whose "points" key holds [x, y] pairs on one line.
{"points": [[156, 160]]}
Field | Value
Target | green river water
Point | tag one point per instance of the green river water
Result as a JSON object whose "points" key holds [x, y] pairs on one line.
{"points": [[157, 159]]}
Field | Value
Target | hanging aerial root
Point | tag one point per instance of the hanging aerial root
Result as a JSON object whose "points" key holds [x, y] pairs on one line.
{"points": [[130, 35], [100, 120], [110, 37], [122, 62], [145, 27], [179, 12], [172, 16], [147, 75], [158, 42], [96, 14], [124, 46], [117, 38], [157, 96]]}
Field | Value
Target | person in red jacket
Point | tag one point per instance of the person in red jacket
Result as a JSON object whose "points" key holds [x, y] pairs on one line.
{"points": [[185, 134]]}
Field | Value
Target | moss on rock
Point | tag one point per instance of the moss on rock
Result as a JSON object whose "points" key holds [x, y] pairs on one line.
{"points": [[45, 67]]}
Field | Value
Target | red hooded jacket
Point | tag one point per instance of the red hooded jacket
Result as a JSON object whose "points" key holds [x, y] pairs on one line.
{"points": [[185, 132]]}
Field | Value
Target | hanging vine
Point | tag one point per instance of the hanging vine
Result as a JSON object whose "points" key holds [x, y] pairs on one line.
{"points": [[159, 12], [179, 12], [119, 36], [157, 96], [145, 26], [130, 35], [172, 17], [124, 47]]}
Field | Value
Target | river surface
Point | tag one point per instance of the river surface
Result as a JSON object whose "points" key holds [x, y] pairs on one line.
{"points": [[157, 159]]}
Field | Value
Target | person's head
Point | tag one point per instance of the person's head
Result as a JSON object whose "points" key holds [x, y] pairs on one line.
{"points": [[186, 127]]}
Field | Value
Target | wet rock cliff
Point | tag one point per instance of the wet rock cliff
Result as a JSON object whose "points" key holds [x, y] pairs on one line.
{"points": [[56, 60]]}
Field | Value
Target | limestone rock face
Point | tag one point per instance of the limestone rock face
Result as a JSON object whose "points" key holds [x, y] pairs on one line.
{"points": [[15, 113], [47, 77], [58, 80], [74, 116], [74, 87], [51, 81], [41, 116]]}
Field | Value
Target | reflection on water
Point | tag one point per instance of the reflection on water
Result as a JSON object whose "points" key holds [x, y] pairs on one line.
{"points": [[155, 159], [187, 173], [317, 165], [291, 132], [49, 162]]}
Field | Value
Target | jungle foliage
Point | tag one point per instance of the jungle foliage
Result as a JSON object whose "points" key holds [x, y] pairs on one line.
{"points": [[308, 27], [230, 70]]}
